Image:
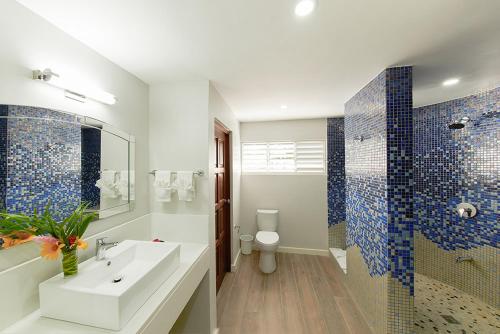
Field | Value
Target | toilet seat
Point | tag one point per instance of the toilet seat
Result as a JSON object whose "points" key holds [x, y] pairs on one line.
{"points": [[267, 238]]}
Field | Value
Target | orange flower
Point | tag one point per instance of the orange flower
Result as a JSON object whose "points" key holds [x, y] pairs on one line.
{"points": [[15, 239], [81, 243], [9, 242], [51, 250]]}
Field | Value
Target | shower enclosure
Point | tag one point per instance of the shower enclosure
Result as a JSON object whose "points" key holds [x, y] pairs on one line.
{"points": [[456, 195], [456, 156]]}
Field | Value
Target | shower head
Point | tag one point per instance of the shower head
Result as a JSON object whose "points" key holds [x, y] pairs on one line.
{"points": [[456, 126], [460, 124]]}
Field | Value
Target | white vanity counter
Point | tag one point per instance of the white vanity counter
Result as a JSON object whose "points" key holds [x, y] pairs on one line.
{"points": [[159, 312]]}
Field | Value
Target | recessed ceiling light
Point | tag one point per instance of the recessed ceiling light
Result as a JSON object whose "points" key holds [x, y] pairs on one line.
{"points": [[305, 7], [284, 107], [451, 82]]}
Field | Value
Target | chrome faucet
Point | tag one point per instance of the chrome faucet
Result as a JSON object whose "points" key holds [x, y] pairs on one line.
{"points": [[101, 246]]}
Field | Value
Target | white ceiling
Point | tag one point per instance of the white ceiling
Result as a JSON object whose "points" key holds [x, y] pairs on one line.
{"points": [[260, 56]]}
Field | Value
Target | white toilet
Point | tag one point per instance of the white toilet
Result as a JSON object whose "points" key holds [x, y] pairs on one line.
{"points": [[267, 239]]}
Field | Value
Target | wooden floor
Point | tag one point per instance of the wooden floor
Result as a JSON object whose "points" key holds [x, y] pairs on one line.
{"points": [[302, 296]]}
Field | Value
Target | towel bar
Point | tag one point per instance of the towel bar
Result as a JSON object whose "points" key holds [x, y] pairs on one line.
{"points": [[197, 173]]}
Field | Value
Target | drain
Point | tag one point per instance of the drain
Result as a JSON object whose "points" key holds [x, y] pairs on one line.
{"points": [[450, 319], [117, 279]]}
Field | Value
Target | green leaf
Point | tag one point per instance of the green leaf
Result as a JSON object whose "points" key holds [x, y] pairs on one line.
{"points": [[74, 225]]}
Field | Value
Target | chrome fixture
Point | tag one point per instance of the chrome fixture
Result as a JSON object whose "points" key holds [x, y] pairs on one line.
{"points": [[101, 246], [460, 124], [466, 210], [490, 114], [486, 115], [461, 259], [72, 88], [45, 75], [359, 138], [199, 172]]}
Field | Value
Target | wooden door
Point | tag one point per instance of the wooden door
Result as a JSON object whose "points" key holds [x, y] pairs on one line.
{"points": [[222, 203]]}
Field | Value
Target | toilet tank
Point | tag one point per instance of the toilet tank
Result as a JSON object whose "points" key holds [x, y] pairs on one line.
{"points": [[267, 220]]}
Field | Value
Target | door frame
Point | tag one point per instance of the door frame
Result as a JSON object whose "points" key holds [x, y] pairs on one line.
{"points": [[218, 125]]}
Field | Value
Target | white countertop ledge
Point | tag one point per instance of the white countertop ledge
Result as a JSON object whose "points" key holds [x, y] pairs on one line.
{"points": [[167, 302]]}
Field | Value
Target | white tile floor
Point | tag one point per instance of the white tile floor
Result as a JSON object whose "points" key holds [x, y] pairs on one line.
{"points": [[440, 308]]}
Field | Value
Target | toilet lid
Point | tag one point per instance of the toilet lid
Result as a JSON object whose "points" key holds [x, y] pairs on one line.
{"points": [[266, 237]]}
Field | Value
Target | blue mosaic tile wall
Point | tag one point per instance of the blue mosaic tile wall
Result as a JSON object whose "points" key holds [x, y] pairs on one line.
{"points": [[366, 174], [336, 170], [3, 156], [91, 165], [44, 161], [453, 166], [399, 108], [378, 144]]}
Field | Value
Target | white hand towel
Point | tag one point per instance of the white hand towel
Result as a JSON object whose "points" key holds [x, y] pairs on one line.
{"points": [[184, 184], [107, 184], [132, 185], [124, 183], [163, 186]]}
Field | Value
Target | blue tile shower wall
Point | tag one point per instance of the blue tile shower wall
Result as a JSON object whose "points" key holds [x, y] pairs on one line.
{"points": [[379, 174], [366, 174], [453, 166], [336, 171], [43, 161], [399, 108], [3, 155]]}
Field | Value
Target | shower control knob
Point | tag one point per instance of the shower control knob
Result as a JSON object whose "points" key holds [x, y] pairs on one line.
{"points": [[466, 210]]}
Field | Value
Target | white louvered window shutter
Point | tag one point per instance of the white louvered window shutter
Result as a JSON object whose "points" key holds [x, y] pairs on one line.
{"points": [[310, 157], [254, 157], [281, 157], [304, 157]]}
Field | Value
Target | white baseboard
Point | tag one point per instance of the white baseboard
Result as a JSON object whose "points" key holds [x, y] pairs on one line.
{"points": [[296, 250], [306, 251], [236, 263]]}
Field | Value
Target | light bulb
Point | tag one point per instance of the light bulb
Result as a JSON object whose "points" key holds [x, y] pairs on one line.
{"points": [[305, 7]]}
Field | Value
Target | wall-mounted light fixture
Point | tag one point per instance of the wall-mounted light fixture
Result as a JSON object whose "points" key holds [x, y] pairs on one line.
{"points": [[72, 90]]}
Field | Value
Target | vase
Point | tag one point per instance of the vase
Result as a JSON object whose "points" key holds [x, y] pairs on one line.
{"points": [[70, 262]]}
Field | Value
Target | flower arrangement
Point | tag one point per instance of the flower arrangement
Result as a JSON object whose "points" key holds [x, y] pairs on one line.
{"points": [[56, 238]]}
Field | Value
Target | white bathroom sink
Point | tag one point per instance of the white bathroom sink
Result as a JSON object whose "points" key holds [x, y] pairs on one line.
{"points": [[93, 298]]}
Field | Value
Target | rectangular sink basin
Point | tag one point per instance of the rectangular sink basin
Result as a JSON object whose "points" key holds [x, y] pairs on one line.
{"points": [[107, 293]]}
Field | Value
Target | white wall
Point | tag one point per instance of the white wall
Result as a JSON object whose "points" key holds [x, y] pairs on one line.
{"points": [[182, 116], [301, 199], [178, 137], [28, 42], [220, 111]]}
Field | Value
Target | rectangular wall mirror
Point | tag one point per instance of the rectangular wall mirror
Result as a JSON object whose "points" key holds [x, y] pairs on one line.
{"points": [[65, 159]]}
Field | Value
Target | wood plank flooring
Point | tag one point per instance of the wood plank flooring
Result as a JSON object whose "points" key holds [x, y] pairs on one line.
{"points": [[302, 296]]}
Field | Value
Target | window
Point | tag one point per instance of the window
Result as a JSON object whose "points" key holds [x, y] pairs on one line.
{"points": [[284, 157]]}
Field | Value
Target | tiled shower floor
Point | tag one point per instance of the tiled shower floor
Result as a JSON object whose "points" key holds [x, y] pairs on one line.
{"points": [[440, 308]]}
